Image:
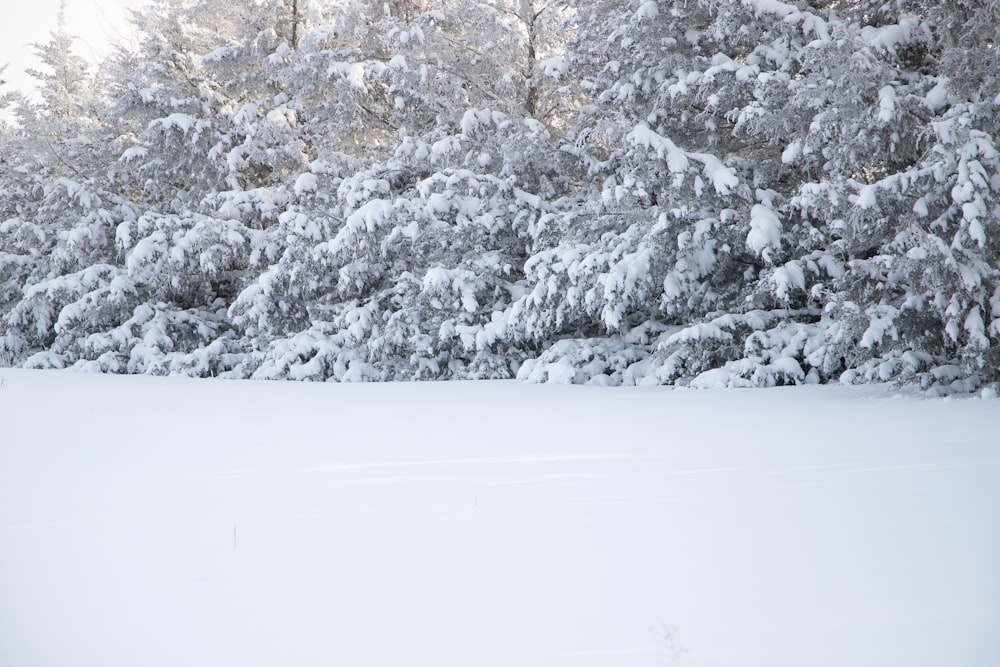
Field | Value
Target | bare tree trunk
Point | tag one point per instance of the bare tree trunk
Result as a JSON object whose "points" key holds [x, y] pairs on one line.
{"points": [[406, 9], [295, 24], [530, 16]]}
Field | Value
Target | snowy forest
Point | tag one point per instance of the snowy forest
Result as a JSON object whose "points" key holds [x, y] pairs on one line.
{"points": [[693, 192]]}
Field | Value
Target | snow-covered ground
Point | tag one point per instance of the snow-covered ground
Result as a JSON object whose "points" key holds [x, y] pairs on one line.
{"points": [[183, 523]]}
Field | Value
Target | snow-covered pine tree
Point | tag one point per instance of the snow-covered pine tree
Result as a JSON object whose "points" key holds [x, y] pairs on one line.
{"points": [[127, 284], [759, 140], [924, 304], [56, 218], [416, 281], [505, 55]]}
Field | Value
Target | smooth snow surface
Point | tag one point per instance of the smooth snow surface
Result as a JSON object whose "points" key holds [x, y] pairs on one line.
{"points": [[170, 523]]}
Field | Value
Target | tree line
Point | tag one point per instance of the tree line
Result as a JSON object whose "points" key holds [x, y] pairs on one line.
{"points": [[697, 192]]}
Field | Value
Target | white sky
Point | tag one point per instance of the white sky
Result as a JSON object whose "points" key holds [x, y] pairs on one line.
{"points": [[97, 23]]}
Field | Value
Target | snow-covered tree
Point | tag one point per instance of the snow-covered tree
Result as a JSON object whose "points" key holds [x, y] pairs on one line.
{"points": [[751, 137], [415, 282]]}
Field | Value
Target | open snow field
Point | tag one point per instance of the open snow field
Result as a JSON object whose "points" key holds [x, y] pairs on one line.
{"points": [[150, 522]]}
